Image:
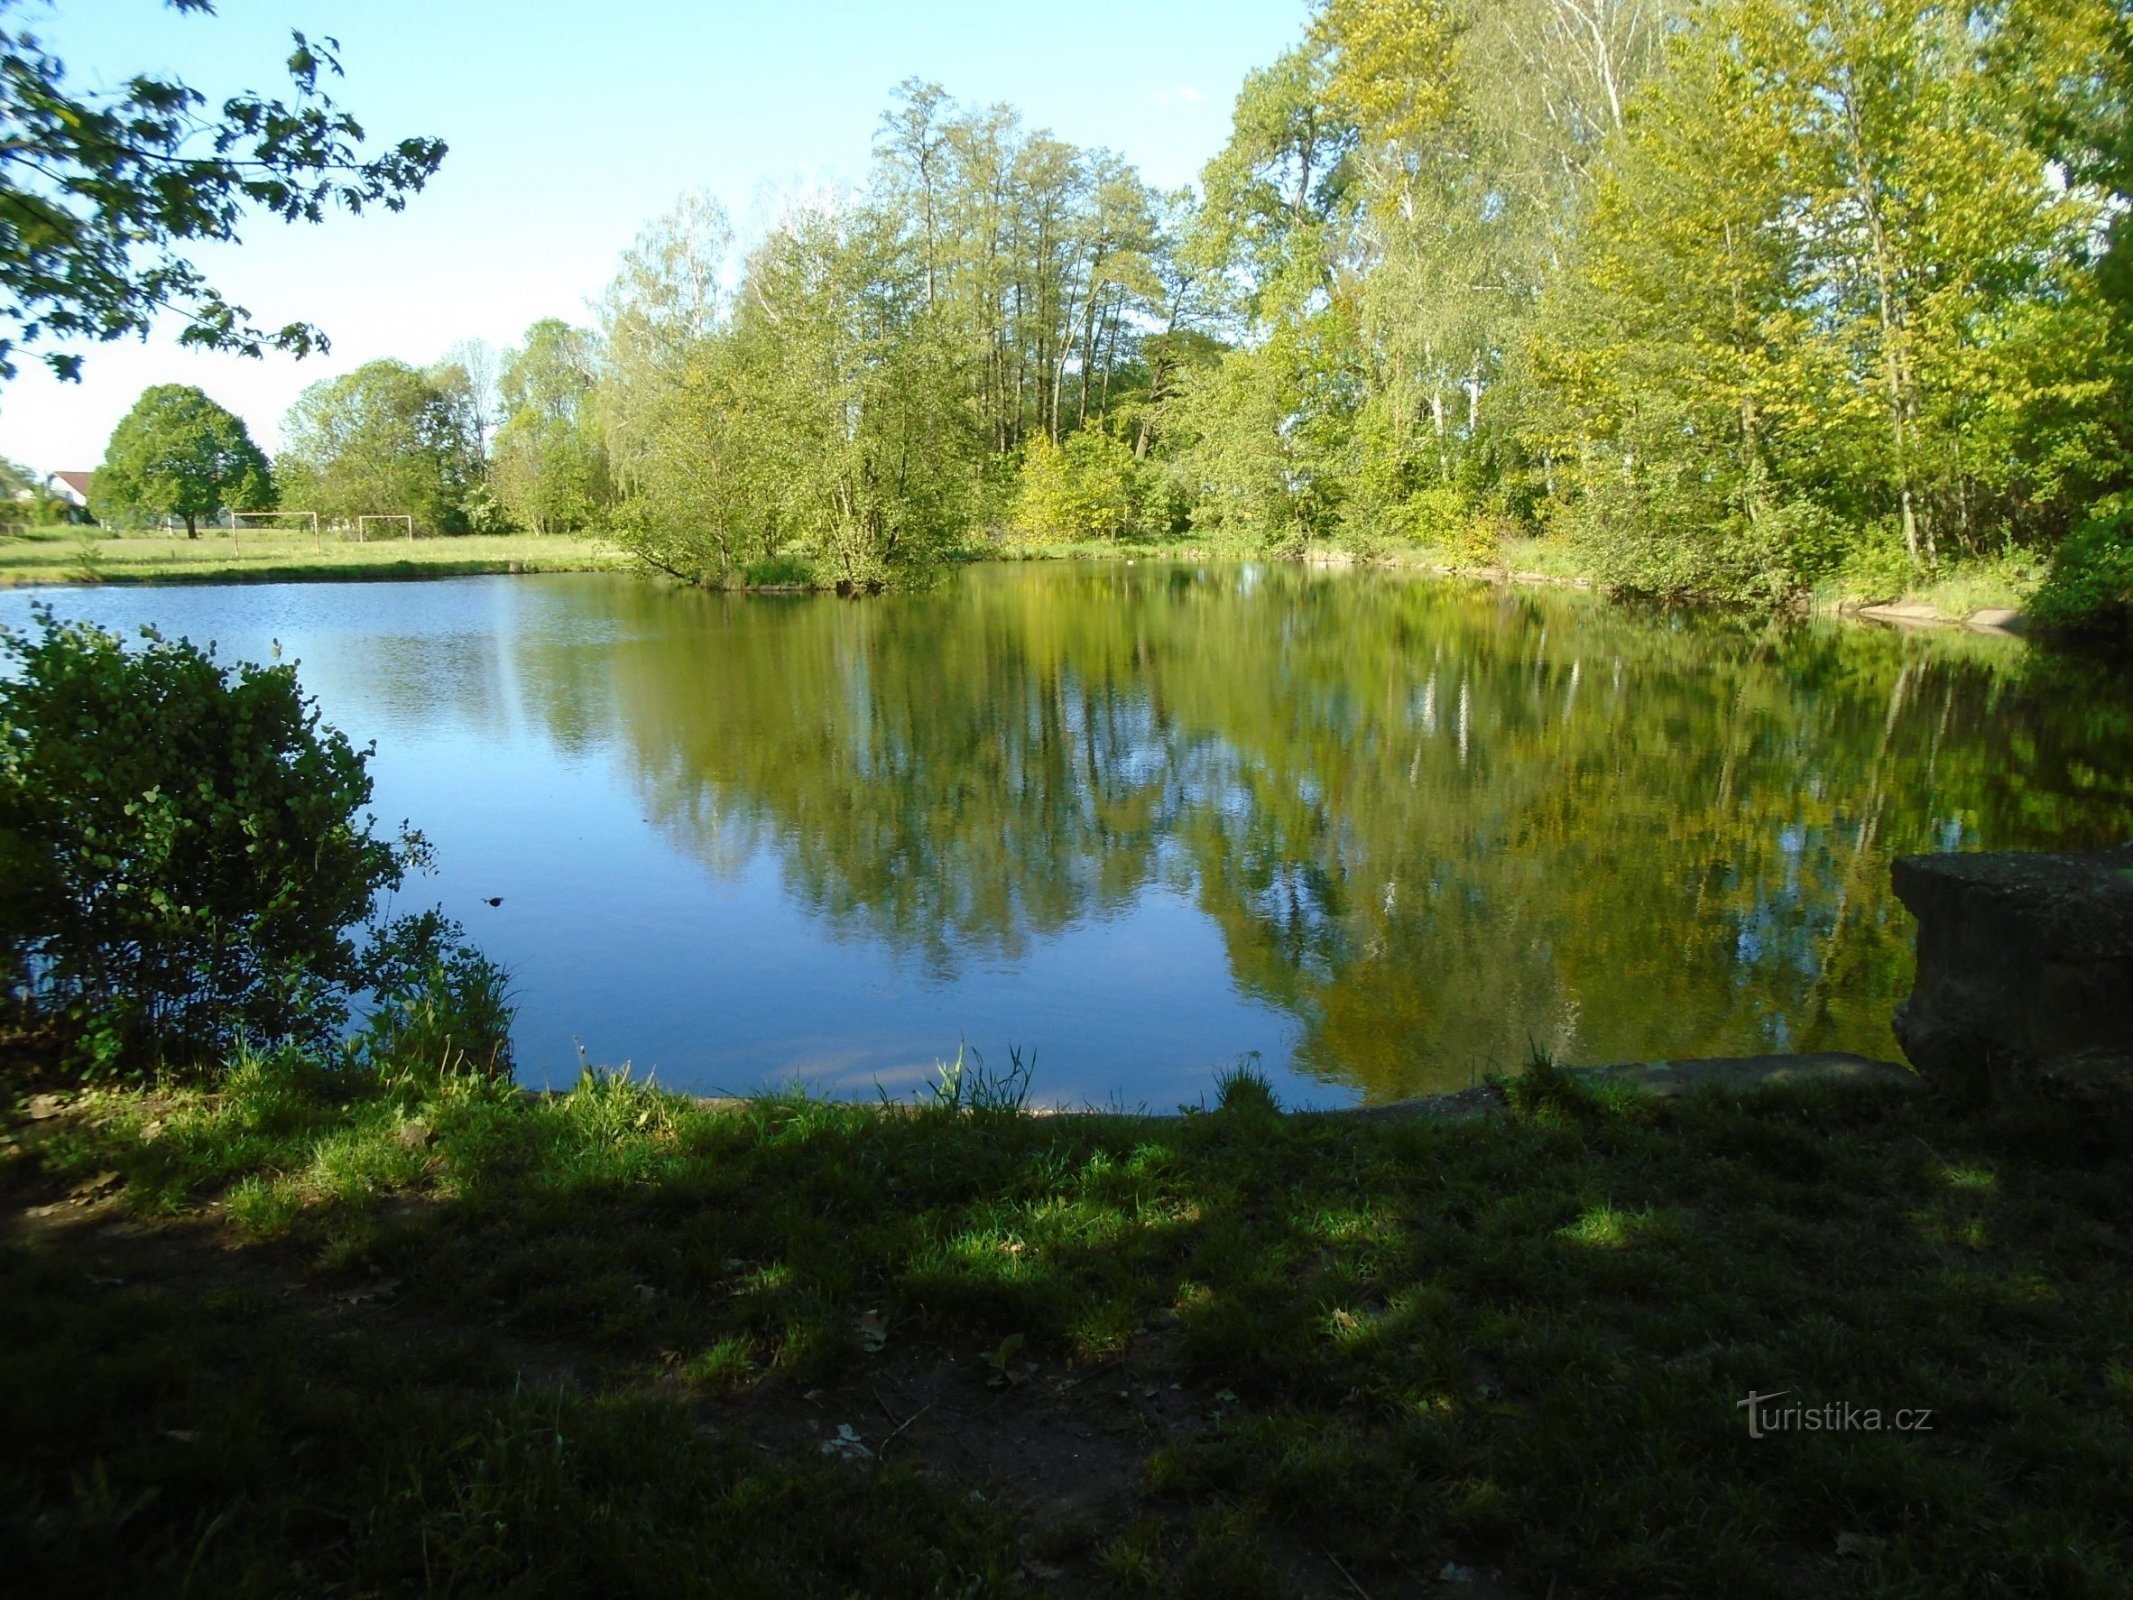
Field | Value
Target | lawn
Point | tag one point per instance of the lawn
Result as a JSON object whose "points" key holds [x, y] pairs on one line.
{"points": [[279, 556], [338, 1333]]}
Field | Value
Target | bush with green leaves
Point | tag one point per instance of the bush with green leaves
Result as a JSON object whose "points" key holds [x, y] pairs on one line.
{"points": [[439, 1004], [183, 850], [2089, 590]]}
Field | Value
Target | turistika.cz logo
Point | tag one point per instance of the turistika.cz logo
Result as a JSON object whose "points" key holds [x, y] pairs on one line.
{"points": [[1765, 1417]]}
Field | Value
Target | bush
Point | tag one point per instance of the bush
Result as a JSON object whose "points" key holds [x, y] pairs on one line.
{"points": [[2089, 590], [782, 571], [1084, 488], [1876, 571], [181, 851], [1673, 540], [439, 1005]]}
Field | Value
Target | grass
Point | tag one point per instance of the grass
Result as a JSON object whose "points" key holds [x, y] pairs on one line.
{"points": [[352, 1334], [279, 556], [1988, 583]]}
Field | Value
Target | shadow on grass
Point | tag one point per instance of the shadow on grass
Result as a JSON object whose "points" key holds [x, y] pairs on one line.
{"points": [[1308, 1349]]}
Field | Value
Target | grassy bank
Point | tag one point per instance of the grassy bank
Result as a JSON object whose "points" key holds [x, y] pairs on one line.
{"points": [[344, 1335], [58, 556]]}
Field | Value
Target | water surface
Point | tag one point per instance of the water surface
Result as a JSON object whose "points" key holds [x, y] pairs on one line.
{"points": [[1137, 822]]}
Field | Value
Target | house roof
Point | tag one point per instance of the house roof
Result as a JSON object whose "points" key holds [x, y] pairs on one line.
{"points": [[77, 481]]}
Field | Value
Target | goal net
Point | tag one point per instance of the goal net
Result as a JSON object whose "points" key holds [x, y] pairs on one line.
{"points": [[404, 519]]}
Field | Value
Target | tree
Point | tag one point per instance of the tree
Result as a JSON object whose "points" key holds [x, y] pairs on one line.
{"points": [[100, 192], [1825, 277], [182, 849], [468, 373], [381, 440], [551, 467], [178, 454]]}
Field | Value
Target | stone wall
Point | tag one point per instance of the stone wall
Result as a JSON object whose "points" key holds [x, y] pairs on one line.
{"points": [[2025, 973]]}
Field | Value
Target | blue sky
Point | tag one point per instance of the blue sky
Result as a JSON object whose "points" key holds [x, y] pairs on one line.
{"points": [[571, 126]]}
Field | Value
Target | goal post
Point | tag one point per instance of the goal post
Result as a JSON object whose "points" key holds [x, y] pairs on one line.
{"points": [[237, 518], [363, 523]]}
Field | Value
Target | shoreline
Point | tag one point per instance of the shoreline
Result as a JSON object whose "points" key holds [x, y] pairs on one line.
{"points": [[589, 556]]}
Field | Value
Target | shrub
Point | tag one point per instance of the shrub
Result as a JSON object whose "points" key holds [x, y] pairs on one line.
{"points": [[781, 570], [2089, 590], [1438, 516], [181, 850], [1674, 540], [441, 1005], [1084, 488], [1876, 571]]}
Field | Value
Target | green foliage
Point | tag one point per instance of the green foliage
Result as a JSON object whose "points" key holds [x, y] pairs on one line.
{"points": [[550, 470], [1245, 1090], [1876, 571], [383, 440], [30, 498], [1823, 267], [102, 191], [1752, 550], [966, 1086], [440, 1006], [184, 848], [2089, 589], [1085, 488], [178, 454]]}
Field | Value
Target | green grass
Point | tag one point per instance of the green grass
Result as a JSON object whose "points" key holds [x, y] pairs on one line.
{"points": [[1546, 558], [259, 556], [1988, 583], [1519, 1343]]}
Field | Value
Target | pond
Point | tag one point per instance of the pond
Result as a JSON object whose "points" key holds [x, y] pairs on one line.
{"points": [[1133, 823]]}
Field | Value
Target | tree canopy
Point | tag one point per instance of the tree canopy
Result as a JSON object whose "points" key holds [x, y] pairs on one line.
{"points": [[550, 469], [383, 440], [178, 454], [100, 193]]}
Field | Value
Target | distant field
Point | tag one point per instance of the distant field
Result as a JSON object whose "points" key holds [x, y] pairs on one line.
{"points": [[56, 556]]}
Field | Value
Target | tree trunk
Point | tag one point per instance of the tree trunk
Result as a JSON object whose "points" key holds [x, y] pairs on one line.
{"points": [[192, 528], [1894, 368]]}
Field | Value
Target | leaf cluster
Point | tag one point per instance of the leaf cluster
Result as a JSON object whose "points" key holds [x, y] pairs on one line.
{"points": [[183, 849], [99, 193]]}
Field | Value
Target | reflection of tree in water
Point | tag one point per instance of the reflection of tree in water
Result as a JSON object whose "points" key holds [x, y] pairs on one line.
{"points": [[1434, 823]]}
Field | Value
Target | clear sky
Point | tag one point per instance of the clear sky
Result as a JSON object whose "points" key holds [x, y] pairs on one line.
{"points": [[570, 126]]}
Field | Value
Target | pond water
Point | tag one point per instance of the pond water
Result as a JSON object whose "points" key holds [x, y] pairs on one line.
{"points": [[1133, 823]]}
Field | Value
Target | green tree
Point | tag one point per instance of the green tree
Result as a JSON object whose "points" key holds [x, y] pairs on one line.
{"points": [[383, 440], [182, 849], [550, 470], [178, 454], [102, 191], [1826, 276]]}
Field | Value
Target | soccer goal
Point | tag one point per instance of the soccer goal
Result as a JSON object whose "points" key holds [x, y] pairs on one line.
{"points": [[363, 524], [239, 518]]}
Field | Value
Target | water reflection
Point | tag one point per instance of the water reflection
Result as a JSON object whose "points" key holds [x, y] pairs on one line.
{"points": [[1390, 832]]}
